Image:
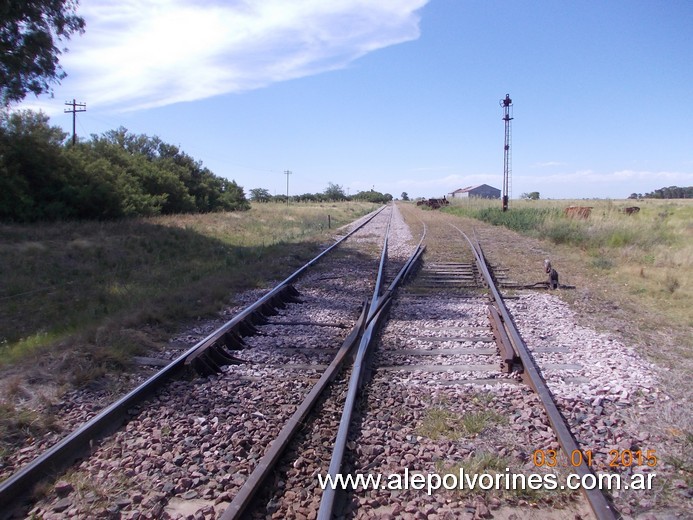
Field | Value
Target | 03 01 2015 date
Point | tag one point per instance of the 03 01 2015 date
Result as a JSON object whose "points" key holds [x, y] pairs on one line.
{"points": [[616, 458]]}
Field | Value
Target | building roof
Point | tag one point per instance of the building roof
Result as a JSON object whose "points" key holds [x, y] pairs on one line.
{"points": [[470, 188]]}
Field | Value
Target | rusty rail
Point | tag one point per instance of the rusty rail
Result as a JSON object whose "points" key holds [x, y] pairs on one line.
{"points": [[601, 507], [205, 356], [378, 310], [269, 460], [362, 333], [509, 357]]}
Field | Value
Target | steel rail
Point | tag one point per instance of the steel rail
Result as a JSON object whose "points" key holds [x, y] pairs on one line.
{"points": [[401, 275], [17, 486], [381, 265], [377, 311], [266, 465], [244, 497], [601, 507], [327, 500], [218, 334], [505, 346]]}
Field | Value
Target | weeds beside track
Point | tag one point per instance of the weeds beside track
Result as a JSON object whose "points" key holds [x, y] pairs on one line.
{"points": [[80, 299]]}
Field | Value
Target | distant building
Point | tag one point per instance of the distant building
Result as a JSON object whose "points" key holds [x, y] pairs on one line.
{"points": [[482, 191]]}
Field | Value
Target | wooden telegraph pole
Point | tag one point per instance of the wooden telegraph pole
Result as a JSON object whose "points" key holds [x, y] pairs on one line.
{"points": [[287, 173], [76, 107]]}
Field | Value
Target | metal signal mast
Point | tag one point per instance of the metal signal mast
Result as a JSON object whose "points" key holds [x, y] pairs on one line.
{"points": [[507, 104]]}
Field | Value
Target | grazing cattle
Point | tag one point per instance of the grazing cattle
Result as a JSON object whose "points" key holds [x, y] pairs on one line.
{"points": [[631, 210], [434, 203], [582, 212]]}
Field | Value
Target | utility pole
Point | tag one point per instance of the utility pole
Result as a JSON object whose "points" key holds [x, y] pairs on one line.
{"points": [[287, 173], [507, 104], [76, 107]]}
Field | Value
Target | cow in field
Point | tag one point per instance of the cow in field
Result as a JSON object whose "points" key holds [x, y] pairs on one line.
{"points": [[582, 212], [632, 210], [434, 203]]}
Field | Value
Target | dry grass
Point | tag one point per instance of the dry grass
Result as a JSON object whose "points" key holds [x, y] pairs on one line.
{"points": [[633, 277], [93, 282], [647, 257], [80, 299]]}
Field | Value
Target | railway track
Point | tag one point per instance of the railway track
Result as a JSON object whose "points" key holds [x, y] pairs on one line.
{"points": [[310, 383], [436, 347], [321, 315]]}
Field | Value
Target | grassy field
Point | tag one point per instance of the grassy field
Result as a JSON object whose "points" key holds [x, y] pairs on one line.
{"points": [[630, 278], [87, 290], [648, 255]]}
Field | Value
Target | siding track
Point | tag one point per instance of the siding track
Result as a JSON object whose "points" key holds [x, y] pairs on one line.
{"points": [[335, 301], [341, 369]]}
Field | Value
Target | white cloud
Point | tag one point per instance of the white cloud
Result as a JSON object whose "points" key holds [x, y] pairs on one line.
{"points": [[146, 53], [548, 164], [590, 183], [437, 180]]}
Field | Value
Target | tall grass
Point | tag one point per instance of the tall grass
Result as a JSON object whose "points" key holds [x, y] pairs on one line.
{"points": [[523, 219], [607, 225], [92, 286], [650, 252]]}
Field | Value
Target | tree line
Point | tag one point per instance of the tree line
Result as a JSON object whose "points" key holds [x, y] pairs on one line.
{"points": [[333, 193], [672, 192], [32, 35], [113, 175], [117, 174]]}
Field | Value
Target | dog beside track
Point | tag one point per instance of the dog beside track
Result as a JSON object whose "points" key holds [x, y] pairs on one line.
{"points": [[553, 274]]}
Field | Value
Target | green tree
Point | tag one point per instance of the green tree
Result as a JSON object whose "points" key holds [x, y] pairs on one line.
{"points": [[103, 189], [334, 192], [232, 197], [532, 195], [373, 196], [671, 192], [32, 167], [310, 197], [114, 175], [172, 180], [30, 33], [404, 196], [260, 195]]}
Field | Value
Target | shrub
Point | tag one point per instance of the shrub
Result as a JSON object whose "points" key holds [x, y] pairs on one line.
{"points": [[114, 175], [565, 231]]}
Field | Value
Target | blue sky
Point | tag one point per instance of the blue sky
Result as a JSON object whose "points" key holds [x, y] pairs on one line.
{"points": [[396, 95]]}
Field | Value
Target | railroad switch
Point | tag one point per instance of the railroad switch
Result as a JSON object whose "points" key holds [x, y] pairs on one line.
{"points": [[510, 361]]}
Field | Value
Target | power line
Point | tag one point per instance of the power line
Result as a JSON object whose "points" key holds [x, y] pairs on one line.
{"points": [[287, 173], [76, 107]]}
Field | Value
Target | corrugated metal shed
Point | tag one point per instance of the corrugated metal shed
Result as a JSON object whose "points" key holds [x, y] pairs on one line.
{"points": [[483, 191]]}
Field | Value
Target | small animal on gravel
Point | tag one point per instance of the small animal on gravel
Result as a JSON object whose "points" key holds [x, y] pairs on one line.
{"points": [[553, 274]]}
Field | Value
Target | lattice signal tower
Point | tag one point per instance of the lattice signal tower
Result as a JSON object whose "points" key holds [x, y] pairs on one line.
{"points": [[507, 105]]}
